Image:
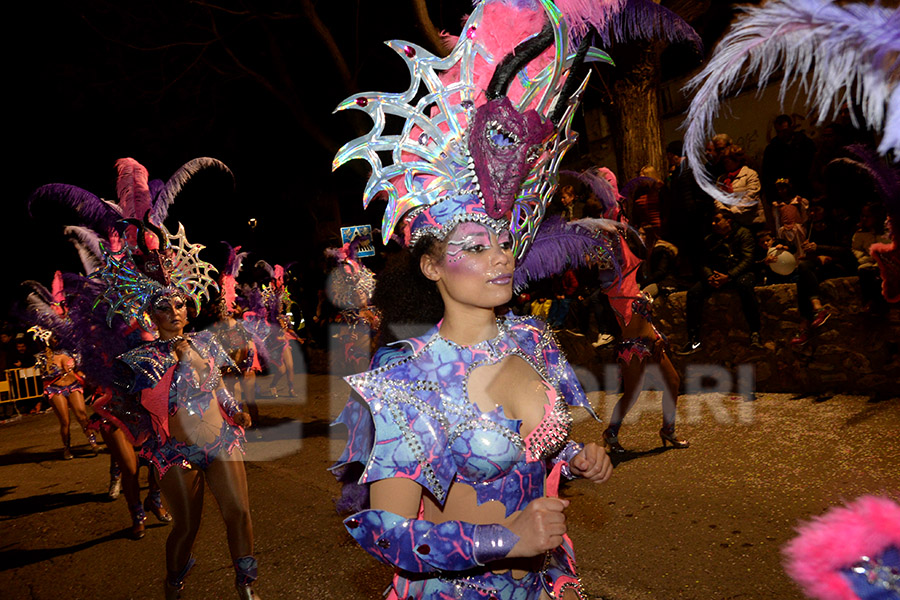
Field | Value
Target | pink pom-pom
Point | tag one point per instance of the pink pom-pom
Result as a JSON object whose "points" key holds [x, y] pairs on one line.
{"points": [[837, 540]]}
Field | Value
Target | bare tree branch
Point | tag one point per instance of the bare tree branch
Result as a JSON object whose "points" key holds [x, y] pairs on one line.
{"points": [[431, 32], [325, 34]]}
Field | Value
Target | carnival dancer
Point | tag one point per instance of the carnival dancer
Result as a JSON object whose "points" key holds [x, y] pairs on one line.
{"points": [[276, 303], [349, 287], [63, 387], [463, 432], [240, 378], [100, 337], [195, 427]]}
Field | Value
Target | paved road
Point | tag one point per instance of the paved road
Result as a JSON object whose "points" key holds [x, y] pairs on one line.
{"points": [[704, 523]]}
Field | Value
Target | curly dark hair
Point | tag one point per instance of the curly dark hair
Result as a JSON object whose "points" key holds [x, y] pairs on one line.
{"points": [[410, 303]]}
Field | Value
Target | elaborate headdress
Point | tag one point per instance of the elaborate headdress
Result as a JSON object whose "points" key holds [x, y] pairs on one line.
{"points": [[41, 334], [838, 53], [350, 283], [485, 140], [161, 264]]}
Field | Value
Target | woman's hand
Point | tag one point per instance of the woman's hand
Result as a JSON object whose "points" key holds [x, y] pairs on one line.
{"points": [[592, 463], [242, 419], [540, 527], [187, 354], [183, 350]]}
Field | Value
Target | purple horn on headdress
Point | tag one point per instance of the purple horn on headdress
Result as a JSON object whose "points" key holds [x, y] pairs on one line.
{"points": [[122, 225], [503, 142], [163, 240]]}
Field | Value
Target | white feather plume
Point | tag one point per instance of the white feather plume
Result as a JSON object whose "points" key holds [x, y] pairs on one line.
{"points": [[837, 54], [87, 243]]}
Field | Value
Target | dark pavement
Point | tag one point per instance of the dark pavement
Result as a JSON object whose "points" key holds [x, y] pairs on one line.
{"points": [[703, 523]]}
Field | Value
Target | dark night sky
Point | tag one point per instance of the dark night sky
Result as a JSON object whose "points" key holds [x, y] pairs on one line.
{"points": [[86, 91], [98, 80]]}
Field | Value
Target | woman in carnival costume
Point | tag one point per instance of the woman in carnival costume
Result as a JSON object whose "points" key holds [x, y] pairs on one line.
{"points": [[463, 431], [270, 322], [235, 339], [59, 365], [350, 287], [641, 342], [192, 429], [98, 335]]}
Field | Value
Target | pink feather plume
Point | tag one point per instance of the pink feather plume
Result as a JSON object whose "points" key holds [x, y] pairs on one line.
{"points": [[133, 191]]}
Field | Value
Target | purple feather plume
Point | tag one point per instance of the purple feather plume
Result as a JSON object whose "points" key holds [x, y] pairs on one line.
{"points": [[601, 188], [164, 195], [559, 246], [92, 210], [234, 261], [647, 20]]}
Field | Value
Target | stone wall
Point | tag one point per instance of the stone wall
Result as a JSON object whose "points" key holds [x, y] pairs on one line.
{"points": [[853, 352]]}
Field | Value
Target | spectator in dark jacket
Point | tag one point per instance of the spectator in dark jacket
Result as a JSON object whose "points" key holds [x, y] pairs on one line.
{"points": [[728, 265], [690, 212]]}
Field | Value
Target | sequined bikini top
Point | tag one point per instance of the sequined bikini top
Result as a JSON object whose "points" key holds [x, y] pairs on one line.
{"points": [[418, 422], [487, 446]]}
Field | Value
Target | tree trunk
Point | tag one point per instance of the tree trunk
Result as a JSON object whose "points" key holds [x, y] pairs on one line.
{"points": [[635, 115]]}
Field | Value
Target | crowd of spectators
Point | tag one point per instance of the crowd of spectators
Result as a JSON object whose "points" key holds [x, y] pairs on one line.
{"points": [[798, 219]]}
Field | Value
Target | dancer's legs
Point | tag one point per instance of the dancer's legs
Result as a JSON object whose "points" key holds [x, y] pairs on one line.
{"points": [[248, 388], [633, 381], [287, 359], [61, 408], [228, 483], [670, 394], [122, 452], [76, 401], [183, 489]]}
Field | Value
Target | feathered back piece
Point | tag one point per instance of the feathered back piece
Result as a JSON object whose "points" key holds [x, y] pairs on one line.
{"points": [[228, 279], [850, 553], [137, 198], [838, 54]]}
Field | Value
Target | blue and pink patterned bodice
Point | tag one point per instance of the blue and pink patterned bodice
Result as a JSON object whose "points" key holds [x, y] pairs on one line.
{"points": [[418, 422]]}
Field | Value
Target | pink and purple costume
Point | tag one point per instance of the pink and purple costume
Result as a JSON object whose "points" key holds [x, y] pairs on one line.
{"points": [[164, 386], [51, 373], [418, 422]]}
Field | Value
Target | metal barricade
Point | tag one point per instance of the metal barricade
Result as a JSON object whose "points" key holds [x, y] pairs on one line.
{"points": [[21, 384]]}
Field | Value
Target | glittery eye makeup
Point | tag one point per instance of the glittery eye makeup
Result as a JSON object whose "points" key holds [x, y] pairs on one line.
{"points": [[467, 237]]}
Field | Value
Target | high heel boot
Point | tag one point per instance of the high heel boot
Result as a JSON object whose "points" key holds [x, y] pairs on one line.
{"points": [[667, 435], [175, 582], [138, 516], [245, 574], [154, 504], [611, 437], [92, 440]]}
